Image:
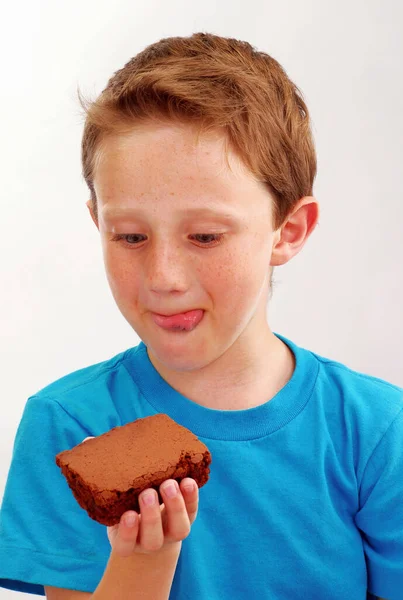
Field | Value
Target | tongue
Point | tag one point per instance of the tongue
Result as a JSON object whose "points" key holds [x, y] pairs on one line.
{"points": [[186, 320]]}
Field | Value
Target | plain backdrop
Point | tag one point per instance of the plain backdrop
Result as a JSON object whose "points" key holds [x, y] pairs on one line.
{"points": [[341, 297]]}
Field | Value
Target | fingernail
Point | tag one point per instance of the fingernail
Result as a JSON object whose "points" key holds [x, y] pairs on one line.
{"points": [[149, 498], [130, 520], [189, 487], [170, 490]]}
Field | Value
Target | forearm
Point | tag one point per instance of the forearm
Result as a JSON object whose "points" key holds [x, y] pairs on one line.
{"points": [[139, 576]]}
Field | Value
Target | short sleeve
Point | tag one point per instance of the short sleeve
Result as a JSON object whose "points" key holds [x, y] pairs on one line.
{"points": [[380, 518], [46, 538]]}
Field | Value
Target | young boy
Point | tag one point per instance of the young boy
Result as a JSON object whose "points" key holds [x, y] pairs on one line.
{"points": [[200, 163]]}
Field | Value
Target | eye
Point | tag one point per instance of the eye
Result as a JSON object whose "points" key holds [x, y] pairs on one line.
{"points": [[122, 236], [205, 239]]}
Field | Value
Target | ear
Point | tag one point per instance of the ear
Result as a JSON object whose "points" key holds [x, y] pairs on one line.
{"points": [[89, 205], [290, 238]]}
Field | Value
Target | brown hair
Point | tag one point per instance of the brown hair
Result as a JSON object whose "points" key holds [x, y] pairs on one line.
{"points": [[216, 83]]}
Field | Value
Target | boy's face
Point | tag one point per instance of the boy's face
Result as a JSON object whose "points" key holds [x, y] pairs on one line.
{"points": [[156, 186]]}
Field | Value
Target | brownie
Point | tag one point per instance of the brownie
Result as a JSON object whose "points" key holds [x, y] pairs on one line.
{"points": [[107, 473]]}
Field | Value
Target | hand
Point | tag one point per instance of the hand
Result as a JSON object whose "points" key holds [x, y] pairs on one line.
{"points": [[157, 527]]}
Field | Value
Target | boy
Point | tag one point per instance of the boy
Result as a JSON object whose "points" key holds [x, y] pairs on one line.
{"points": [[200, 163]]}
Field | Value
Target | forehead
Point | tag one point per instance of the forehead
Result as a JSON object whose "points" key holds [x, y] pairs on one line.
{"points": [[171, 147], [166, 161]]}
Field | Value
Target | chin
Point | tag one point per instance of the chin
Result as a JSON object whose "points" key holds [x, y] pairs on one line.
{"points": [[178, 354], [175, 358]]}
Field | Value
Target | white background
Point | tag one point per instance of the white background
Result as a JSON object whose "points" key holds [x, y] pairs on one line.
{"points": [[341, 297]]}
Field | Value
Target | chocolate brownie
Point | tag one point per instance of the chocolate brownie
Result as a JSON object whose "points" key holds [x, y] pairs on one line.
{"points": [[107, 473]]}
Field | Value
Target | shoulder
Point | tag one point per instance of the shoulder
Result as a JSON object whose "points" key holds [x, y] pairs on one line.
{"points": [[362, 412], [335, 381], [359, 389], [357, 407], [97, 389], [83, 377]]}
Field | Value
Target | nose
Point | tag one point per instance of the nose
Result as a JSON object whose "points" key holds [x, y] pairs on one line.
{"points": [[166, 268]]}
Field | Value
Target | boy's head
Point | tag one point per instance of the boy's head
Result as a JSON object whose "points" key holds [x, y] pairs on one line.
{"points": [[191, 123], [213, 83]]}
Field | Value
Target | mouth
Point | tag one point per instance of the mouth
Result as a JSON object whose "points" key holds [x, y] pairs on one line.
{"points": [[186, 321]]}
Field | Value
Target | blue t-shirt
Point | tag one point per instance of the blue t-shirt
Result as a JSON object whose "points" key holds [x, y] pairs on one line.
{"points": [[304, 500]]}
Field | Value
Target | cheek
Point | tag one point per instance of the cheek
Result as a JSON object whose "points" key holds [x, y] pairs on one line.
{"points": [[234, 278], [120, 273]]}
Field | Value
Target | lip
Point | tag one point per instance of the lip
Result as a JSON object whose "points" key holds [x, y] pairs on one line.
{"points": [[186, 321], [179, 312]]}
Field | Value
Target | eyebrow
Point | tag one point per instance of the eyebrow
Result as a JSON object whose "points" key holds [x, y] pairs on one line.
{"points": [[122, 212]]}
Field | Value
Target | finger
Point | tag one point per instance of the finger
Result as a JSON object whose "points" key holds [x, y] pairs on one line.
{"points": [[123, 537], [176, 521], [190, 492], [151, 535]]}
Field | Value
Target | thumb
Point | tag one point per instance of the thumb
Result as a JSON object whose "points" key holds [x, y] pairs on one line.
{"points": [[123, 537]]}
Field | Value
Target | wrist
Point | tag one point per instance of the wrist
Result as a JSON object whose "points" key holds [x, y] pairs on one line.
{"points": [[172, 549], [168, 551]]}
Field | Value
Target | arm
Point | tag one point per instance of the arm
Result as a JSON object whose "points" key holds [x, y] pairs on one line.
{"points": [[136, 577], [55, 593], [380, 514], [139, 576], [143, 558]]}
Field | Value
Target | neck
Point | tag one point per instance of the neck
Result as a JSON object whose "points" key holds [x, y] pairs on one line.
{"points": [[243, 377]]}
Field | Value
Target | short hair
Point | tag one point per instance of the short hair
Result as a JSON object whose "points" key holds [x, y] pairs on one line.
{"points": [[212, 83]]}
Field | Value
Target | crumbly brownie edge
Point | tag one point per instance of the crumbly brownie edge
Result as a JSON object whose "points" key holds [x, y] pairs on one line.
{"points": [[106, 507]]}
